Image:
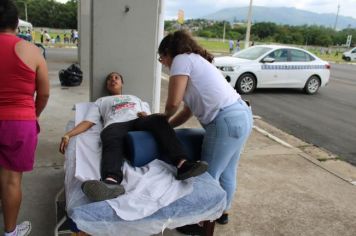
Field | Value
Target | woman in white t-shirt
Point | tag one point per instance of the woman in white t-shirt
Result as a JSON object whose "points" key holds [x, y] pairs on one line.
{"points": [[120, 114], [226, 118]]}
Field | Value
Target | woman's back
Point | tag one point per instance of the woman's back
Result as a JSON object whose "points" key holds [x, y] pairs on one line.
{"points": [[18, 65]]}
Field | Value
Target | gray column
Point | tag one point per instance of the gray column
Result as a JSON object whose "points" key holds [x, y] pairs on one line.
{"points": [[123, 36]]}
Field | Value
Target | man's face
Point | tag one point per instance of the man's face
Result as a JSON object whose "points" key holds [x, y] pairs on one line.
{"points": [[114, 84]]}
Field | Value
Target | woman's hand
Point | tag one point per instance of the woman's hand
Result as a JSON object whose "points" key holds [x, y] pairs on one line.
{"points": [[141, 114], [64, 143], [80, 128]]}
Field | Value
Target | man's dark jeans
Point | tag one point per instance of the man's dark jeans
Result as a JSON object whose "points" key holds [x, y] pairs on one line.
{"points": [[112, 138]]}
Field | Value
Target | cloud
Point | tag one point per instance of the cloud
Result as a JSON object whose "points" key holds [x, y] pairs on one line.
{"points": [[199, 8]]}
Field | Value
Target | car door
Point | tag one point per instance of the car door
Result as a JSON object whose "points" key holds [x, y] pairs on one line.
{"points": [[301, 67], [353, 54], [274, 75]]}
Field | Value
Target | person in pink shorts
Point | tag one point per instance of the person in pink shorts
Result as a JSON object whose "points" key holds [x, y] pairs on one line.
{"points": [[24, 91]]}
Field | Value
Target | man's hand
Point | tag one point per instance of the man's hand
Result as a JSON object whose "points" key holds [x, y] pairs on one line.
{"points": [[141, 114], [64, 143]]}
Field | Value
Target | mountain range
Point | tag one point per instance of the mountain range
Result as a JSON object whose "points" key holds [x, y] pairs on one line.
{"points": [[282, 15]]}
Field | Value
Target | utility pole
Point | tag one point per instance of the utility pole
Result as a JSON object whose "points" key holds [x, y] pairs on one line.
{"points": [[224, 32], [26, 10], [337, 14], [247, 40]]}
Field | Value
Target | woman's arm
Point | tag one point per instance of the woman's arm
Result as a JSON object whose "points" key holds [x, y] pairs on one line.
{"points": [[176, 90], [42, 85], [80, 128], [181, 117]]}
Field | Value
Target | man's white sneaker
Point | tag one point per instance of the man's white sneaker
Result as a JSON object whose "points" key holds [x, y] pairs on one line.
{"points": [[24, 228]]}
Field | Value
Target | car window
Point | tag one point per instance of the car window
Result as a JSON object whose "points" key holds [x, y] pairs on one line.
{"points": [[297, 55], [252, 53], [279, 55], [353, 51]]}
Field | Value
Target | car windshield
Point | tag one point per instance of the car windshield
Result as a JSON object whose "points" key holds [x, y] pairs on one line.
{"points": [[252, 53]]}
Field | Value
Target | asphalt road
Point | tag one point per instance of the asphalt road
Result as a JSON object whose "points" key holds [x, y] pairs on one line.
{"points": [[327, 119]]}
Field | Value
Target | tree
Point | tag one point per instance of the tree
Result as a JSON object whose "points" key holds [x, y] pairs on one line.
{"points": [[49, 13]]}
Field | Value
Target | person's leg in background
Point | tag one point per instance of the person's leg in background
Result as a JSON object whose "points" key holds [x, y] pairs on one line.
{"points": [[11, 196], [17, 152]]}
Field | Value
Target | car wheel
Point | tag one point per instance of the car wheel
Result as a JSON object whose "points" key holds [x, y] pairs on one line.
{"points": [[246, 83], [347, 58], [312, 85]]}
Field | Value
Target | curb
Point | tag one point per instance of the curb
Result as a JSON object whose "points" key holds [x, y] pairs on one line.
{"points": [[304, 155], [342, 62]]}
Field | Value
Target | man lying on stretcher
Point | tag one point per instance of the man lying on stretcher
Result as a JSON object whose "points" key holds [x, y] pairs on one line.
{"points": [[121, 114]]}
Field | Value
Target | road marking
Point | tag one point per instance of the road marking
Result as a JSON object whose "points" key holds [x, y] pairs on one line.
{"points": [[278, 140]]}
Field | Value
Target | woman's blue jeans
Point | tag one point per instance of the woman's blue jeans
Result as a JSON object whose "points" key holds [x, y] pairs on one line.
{"points": [[223, 142]]}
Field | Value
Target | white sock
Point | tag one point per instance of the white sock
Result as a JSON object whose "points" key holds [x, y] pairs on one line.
{"points": [[13, 233]]}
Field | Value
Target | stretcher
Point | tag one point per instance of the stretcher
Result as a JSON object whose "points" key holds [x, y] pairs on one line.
{"points": [[76, 213]]}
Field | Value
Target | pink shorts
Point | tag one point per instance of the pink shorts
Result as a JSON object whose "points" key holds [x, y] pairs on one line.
{"points": [[18, 141]]}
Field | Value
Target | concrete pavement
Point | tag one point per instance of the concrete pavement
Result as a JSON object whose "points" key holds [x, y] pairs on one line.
{"points": [[283, 187]]}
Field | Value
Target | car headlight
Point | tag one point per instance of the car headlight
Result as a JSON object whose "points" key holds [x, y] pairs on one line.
{"points": [[228, 68], [236, 68]]}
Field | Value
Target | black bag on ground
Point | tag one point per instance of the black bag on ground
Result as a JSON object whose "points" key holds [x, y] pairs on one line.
{"points": [[72, 76]]}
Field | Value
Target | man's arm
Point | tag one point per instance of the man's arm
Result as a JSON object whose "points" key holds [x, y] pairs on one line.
{"points": [[80, 128]]}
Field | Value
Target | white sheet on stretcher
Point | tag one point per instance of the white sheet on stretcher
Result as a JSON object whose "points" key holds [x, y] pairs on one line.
{"points": [[206, 202], [148, 188]]}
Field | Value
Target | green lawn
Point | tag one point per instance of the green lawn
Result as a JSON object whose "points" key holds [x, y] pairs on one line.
{"points": [[219, 47], [37, 37]]}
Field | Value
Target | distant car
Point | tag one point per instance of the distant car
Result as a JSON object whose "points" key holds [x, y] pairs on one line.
{"points": [[349, 55], [274, 66]]}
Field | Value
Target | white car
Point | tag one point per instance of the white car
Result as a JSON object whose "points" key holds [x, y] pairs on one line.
{"points": [[349, 55], [274, 66]]}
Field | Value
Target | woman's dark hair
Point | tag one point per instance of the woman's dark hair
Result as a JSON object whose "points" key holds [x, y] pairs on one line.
{"points": [[9, 17], [182, 42]]}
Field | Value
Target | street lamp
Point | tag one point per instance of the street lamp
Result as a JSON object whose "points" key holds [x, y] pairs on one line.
{"points": [[25, 3], [247, 40]]}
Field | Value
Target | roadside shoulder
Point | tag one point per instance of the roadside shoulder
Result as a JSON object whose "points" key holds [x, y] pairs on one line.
{"points": [[319, 156]]}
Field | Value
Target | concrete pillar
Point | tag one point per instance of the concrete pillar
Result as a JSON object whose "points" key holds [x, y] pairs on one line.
{"points": [[123, 36], [84, 24]]}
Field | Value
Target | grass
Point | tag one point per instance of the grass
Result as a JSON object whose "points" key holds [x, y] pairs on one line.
{"points": [[37, 38], [212, 45], [219, 47]]}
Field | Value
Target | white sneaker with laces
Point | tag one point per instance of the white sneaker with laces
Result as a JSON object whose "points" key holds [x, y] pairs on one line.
{"points": [[24, 228]]}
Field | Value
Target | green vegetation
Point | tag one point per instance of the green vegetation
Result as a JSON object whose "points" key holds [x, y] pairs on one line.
{"points": [[214, 45], [266, 32], [49, 13], [219, 47]]}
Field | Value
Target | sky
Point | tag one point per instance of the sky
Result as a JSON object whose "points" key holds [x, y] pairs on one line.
{"points": [[199, 8]]}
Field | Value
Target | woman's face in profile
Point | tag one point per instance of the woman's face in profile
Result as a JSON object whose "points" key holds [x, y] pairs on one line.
{"points": [[166, 60], [114, 84]]}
